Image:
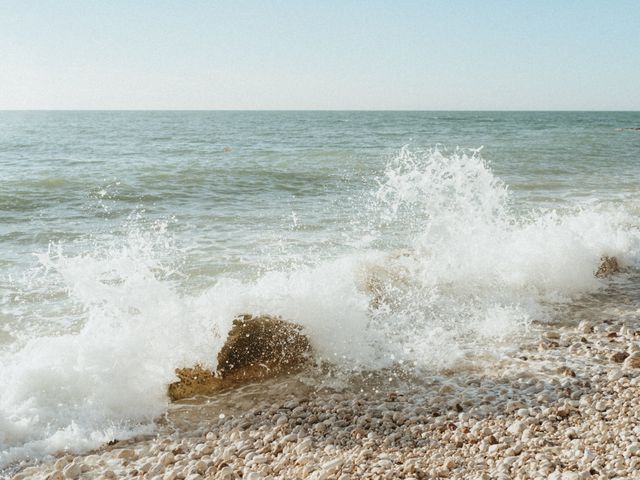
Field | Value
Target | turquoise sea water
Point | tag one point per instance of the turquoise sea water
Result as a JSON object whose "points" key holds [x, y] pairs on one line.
{"points": [[130, 240], [227, 175]]}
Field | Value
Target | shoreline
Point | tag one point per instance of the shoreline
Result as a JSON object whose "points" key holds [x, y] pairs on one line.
{"points": [[384, 246], [562, 407]]}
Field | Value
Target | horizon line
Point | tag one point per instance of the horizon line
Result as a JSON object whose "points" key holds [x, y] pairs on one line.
{"points": [[311, 110]]}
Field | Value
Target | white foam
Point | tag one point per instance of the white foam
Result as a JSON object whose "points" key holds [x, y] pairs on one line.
{"points": [[469, 268], [75, 391]]}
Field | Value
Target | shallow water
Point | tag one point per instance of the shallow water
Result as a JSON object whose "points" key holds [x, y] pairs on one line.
{"points": [[130, 240]]}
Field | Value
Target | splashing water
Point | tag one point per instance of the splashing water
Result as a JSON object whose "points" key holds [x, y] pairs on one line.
{"points": [[475, 266], [454, 266]]}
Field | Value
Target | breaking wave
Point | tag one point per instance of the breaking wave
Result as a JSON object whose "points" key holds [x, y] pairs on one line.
{"points": [[442, 264]]}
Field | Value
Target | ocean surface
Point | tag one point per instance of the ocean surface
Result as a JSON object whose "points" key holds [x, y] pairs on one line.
{"points": [[409, 240]]}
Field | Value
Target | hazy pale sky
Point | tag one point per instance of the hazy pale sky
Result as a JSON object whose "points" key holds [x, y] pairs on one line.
{"points": [[324, 54]]}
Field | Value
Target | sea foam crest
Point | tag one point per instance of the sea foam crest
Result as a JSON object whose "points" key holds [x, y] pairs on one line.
{"points": [[473, 267]]}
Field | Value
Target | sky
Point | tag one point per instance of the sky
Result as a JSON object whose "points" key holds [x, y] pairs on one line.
{"points": [[324, 54]]}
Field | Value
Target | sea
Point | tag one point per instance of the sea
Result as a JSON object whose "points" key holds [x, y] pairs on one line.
{"points": [[399, 241]]}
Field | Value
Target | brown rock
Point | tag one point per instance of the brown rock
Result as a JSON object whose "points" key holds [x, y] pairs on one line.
{"points": [[618, 357], [566, 371], [256, 348], [633, 360], [547, 345], [194, 381], [608, 266]]}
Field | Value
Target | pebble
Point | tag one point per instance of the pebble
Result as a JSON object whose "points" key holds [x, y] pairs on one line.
{"points": [[61, 463], [585, 327], [333, 464], [167, 459], [632, 449], [128, 454], [72, 470], [551, 335], [516, 428], [570, 476], [633, 360], [614, 375], [618, 357], [600, 406]]}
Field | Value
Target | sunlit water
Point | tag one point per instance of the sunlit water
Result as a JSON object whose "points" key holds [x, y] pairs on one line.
{"points": [[130, 240]]}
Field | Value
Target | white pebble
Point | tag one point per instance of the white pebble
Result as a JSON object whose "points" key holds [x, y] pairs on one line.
{"points": [[72, 470], [516, 428]]}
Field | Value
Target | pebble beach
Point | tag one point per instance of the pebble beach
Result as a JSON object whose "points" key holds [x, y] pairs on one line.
{"points": [[563, 406]]}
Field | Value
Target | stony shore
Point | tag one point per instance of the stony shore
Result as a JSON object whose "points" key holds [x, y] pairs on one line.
{"points": [[566, 406]]}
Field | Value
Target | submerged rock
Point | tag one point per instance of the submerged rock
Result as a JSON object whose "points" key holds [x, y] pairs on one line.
{"points": [[256, 348], [608, 266]]}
